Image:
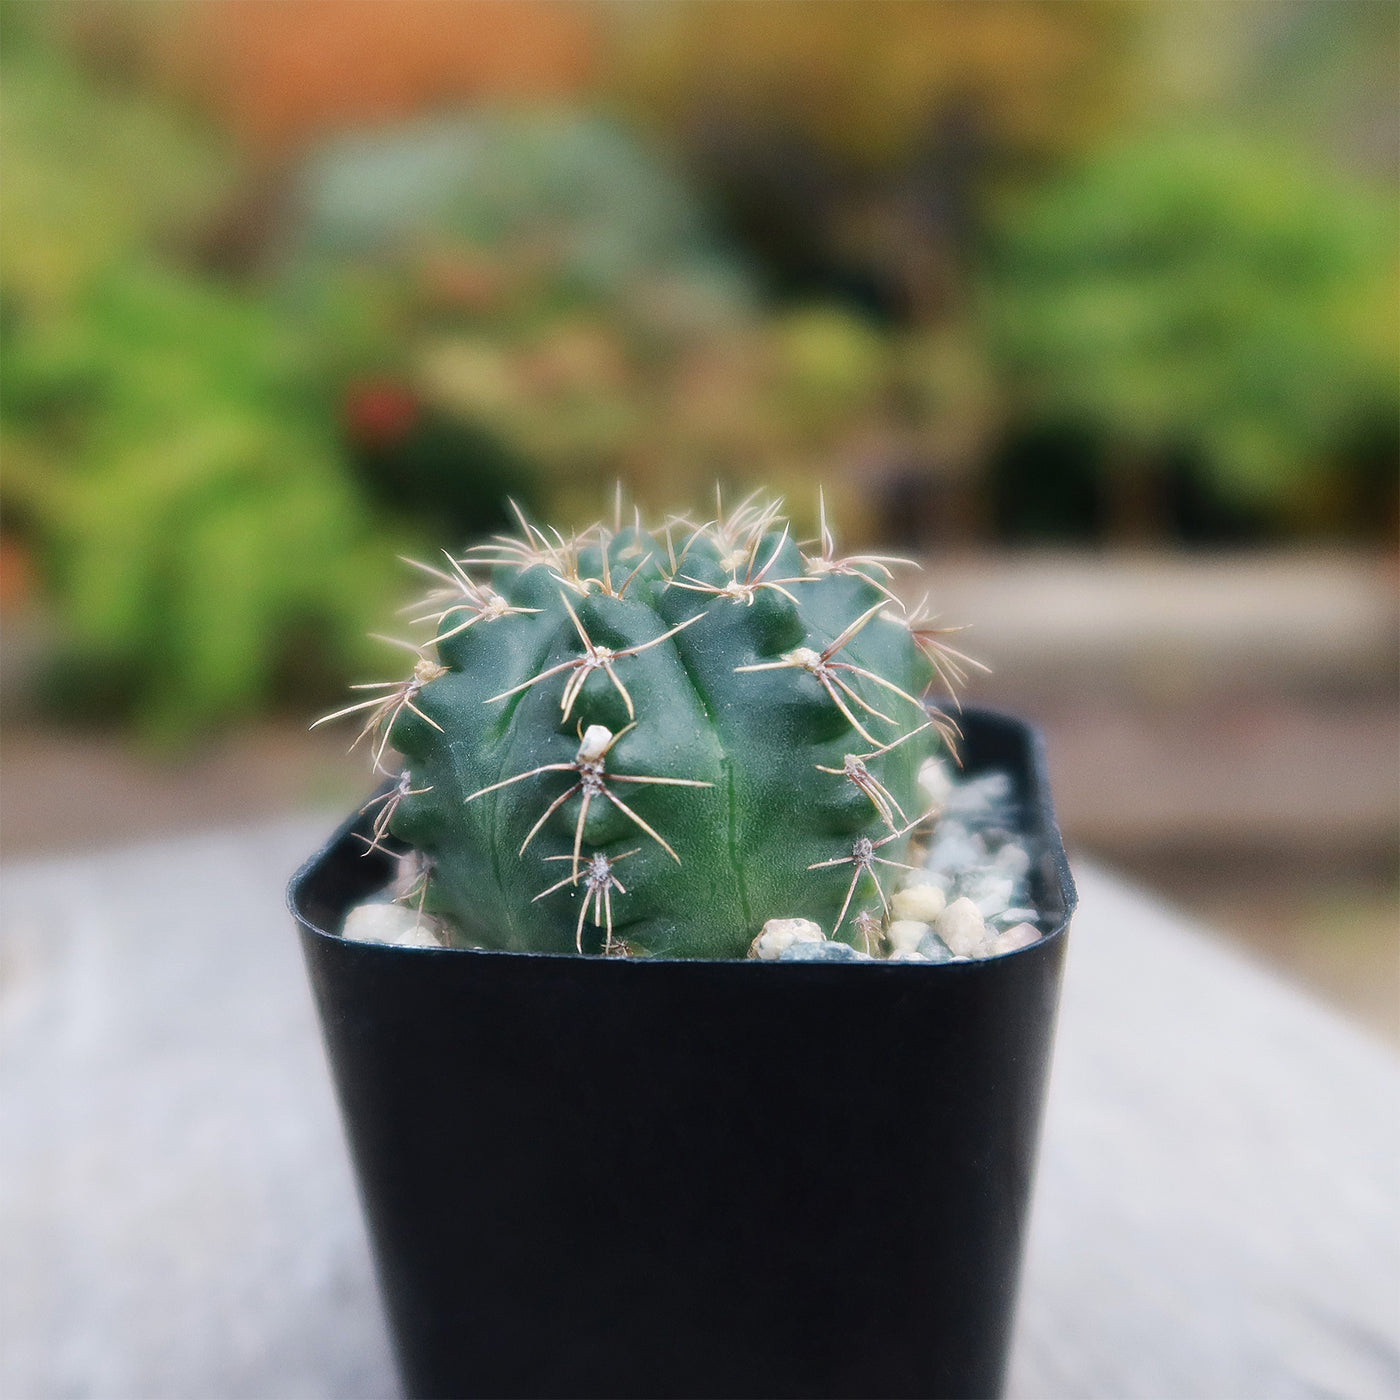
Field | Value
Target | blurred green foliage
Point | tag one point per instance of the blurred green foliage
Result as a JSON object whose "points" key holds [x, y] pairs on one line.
{"points": [[167, 444], [568, 203], [1196, 291], [215, 472], [196, 519], [93, 171], [541, 288], [831, 366]]}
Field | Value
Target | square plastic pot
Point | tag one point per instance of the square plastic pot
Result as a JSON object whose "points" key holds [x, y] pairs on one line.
{"points": [[622, 1177]]}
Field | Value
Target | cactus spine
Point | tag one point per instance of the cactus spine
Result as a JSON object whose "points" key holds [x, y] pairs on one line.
{"points": [[652, 742]]}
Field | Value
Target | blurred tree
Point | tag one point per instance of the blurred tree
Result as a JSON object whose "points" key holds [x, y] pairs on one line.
{"points": [[283, 75], [169, 446], [831, 367], [849, 140], [863, 78], [525, 279], [567, 205], [1195, 291], [453, 476], [1322, 75], [94, 170], [193, 514]]}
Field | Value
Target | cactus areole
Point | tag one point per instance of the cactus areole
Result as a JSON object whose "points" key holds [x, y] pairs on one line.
{"points": [[652, 741]]}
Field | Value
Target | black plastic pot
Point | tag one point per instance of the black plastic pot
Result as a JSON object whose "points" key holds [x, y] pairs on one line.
{"points": [[618, 1177]]}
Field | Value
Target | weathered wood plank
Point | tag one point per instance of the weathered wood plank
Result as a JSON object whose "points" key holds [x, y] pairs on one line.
{"points": [[1218, 1212]]}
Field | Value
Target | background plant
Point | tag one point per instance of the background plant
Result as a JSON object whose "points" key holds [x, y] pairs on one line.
{"points": [[169, 443], [1207, 294], [200, 532], [891, 244]]}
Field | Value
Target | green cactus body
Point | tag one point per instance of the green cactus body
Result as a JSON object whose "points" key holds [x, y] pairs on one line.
{"points": [[648, 743]]}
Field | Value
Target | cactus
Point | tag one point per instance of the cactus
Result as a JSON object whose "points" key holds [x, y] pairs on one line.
{"points": [[652, 742]]}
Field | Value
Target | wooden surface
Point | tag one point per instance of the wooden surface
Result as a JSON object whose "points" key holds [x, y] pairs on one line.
{"points": [[1218, 1211]]}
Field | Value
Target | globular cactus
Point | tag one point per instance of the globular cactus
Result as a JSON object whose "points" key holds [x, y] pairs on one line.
{"points": [[652, 742]]}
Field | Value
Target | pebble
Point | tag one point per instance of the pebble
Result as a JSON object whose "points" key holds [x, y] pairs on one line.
{"points": [[388, 923], [954, 849], [933, 949], [961, 926], [1021, 936], [905, 934], [936, 781], [925, 876], [822, 952], [906, 955], [778, 935], [1013, 859], [1019, 915], [990, 892], [979, 795], [921, 902]]}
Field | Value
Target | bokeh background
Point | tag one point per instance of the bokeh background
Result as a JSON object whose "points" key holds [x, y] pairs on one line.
{"points": [[1093, 308]]}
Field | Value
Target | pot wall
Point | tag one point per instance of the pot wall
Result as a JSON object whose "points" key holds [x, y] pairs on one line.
{"points": [[623, 1177]]}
